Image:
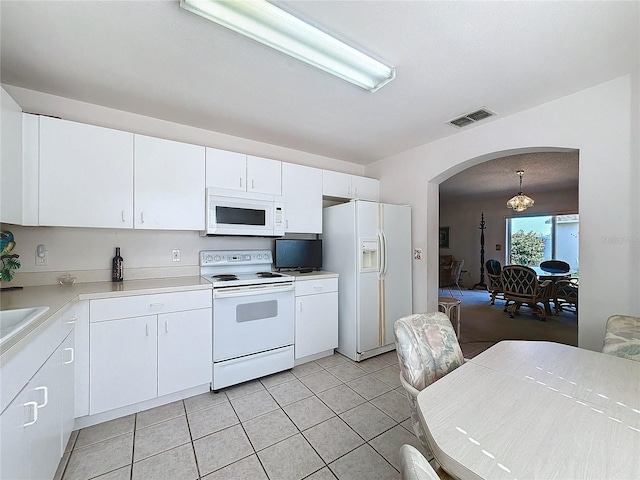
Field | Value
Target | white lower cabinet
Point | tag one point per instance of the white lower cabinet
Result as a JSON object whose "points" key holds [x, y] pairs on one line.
{"points": [[316, 315], [184, 350], [123, 362], [33, 428], [146, 346]]}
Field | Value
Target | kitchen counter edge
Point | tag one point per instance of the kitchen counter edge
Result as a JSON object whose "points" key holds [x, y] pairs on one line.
{"points": [[58, 297]]}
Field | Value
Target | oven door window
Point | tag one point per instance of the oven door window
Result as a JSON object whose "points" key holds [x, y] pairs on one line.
{"points": [[252, 323], [249, 312], [240, 216]]}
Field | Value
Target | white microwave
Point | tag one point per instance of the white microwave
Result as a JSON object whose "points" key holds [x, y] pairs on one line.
{"points": [[241, 213]]}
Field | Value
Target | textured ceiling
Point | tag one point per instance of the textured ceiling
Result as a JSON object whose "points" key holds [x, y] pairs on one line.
{"points": [[543, 172], [154, 59]]}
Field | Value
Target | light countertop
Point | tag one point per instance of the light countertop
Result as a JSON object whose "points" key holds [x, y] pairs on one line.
{"points": [[312, 275], [57, 297]]}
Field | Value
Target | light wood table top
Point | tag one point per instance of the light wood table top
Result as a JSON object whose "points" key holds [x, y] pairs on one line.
{"points": [[536, 410]]}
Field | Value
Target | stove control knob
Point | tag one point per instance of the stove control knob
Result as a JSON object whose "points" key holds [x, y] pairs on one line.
{"points": [[247, 257], [259, 257], [216, 258], [207, 259]]}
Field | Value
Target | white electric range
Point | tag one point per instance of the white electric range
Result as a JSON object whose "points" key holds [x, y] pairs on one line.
{"points": [[253, 315]]}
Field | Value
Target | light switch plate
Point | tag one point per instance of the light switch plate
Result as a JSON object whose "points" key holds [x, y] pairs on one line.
{"points": [[417, 254]]}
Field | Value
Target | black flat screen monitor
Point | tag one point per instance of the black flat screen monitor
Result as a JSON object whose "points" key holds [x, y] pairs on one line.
{"points": [[298, 254]]}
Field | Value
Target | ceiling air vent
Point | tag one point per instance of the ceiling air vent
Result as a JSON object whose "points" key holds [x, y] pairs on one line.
{"points": [[470, 118]]}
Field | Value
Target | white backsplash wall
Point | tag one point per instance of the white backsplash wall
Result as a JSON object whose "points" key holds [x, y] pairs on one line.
{"points": [[87, 252]]}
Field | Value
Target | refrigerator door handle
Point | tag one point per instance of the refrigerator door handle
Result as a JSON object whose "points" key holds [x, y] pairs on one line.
{"points": [[382, 254], [385, 262]]}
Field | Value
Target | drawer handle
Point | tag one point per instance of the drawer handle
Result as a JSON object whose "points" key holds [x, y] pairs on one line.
{"points": [[45, 400], [159, 304], [34, 413], [71, 321], [317, 287], [72, 355]]}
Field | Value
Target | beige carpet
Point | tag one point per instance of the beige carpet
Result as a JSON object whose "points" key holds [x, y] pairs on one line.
{"points": [[482, 324]]}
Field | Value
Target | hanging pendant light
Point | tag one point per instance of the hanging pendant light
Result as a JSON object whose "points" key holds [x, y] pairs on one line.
{"points": [[520, 202]]}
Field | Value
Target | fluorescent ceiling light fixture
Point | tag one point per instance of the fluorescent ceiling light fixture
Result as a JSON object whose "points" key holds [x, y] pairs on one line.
{"points": [[271, 26]]}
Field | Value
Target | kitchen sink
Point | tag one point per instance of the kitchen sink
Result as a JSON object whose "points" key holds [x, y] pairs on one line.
{"points": [[12, 321]]}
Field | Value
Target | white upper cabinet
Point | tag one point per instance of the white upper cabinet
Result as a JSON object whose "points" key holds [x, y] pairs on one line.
{"points": [[86, 175], [11, 157], [365, 188], [226, 170], [264, 175], [302, 194], [169, 184], [243, 173], [343, 185]]}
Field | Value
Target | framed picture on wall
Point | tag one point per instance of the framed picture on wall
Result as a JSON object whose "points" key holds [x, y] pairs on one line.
{"points": [[444, 237]]}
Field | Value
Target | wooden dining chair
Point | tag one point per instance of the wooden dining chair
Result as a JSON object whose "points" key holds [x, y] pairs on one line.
{"points": [[427, 349], [521, 286]]}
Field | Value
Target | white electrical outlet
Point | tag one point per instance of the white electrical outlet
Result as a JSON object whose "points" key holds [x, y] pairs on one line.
{"points": [[42, 258], [417, 254], [175, 255]]}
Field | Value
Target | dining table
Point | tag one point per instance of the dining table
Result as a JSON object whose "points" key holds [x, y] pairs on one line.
{"points": [[536, 410]]}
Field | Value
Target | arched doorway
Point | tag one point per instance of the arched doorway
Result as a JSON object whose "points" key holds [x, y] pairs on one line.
{"points": [[483, 189]]}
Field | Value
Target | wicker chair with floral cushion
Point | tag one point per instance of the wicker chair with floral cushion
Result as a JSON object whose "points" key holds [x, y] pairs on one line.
{"points": [[622, 337], [521, 286], [427, 349], [413, 465]]}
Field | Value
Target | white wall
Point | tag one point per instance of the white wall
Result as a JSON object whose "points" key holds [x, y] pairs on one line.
{"points": [[602, 123], [463, 218]]}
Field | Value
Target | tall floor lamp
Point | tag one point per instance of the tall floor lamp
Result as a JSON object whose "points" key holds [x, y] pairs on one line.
{"points": [[481, 285]]}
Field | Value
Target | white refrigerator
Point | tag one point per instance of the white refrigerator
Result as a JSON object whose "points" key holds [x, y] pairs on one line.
{"points": [[369, 245]]}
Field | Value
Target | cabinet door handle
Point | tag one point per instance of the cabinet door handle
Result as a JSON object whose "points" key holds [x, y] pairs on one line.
{"points": [[253, 187], [72, 355], [166, 326], [349, 191], [71, 321], [286, 222], [355, 192], [123, 219], [240, 182], [141, 217], [34, 413], [300, 306], [45, 400], [146, 327]]}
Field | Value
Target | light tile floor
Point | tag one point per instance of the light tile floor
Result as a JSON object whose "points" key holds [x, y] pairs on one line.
{"points": [[332, 418]]}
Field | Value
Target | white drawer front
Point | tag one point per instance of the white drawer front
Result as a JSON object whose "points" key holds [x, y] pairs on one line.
{"points": [[139, 305], [311, 287]]}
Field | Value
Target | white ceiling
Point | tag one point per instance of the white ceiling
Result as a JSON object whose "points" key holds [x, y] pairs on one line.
{"points": [[154, 59]]}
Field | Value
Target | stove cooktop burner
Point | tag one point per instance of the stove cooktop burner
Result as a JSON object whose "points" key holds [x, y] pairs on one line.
{"points": [[224, 277], [267, 275]]}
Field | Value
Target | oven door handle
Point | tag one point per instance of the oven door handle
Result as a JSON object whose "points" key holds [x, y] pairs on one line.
{"points": [[246, 291]]}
